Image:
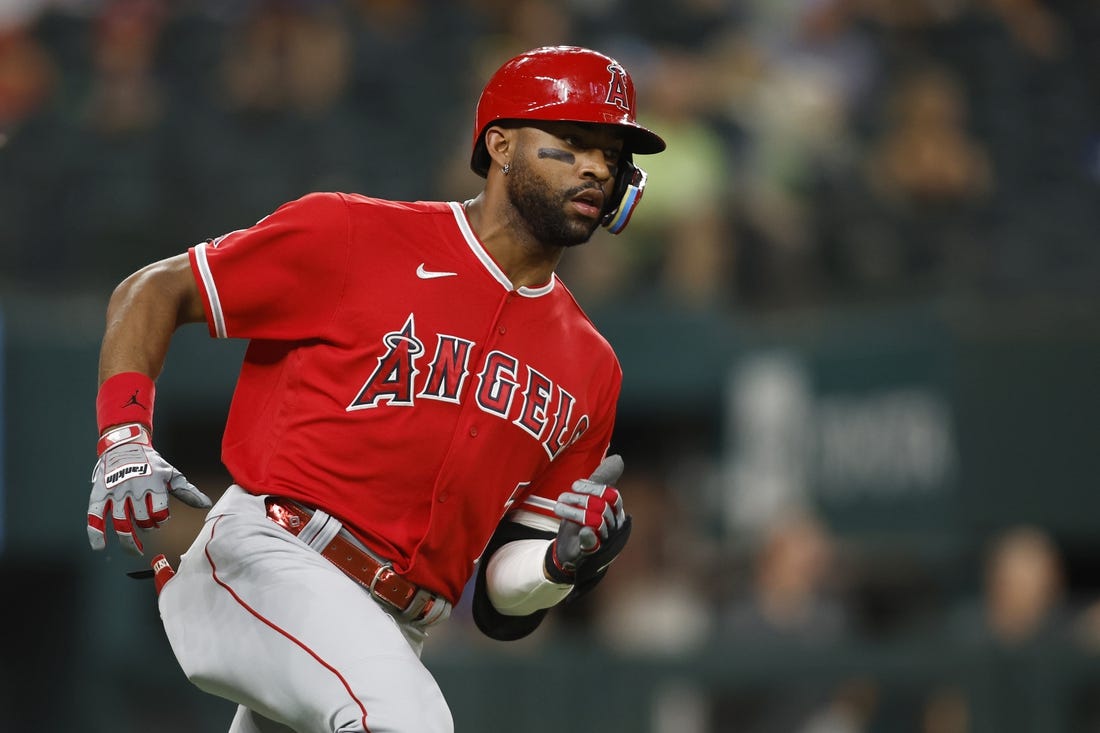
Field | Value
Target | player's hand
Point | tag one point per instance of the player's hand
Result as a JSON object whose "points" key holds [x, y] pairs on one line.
{"points": [[590, 514], [131, 482]]}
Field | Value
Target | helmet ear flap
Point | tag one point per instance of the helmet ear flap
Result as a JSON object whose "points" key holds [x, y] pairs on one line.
{"points": [[629, 186]]}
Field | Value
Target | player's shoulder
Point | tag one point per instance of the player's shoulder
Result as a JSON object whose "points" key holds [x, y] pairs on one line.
{"points": [[363, 204]]}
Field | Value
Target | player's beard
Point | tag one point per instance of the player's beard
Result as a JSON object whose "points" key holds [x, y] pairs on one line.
{"points": [[543, 210]]}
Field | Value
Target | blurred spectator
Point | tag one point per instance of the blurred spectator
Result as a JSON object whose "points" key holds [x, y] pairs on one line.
{"points": [[124, 94], [793, 592], [27, 76], [1024, 586], [288, 56], [1034, 27], [926, 154], [497, 31], [1021, 612], [265, 128], [521, 25], [28, 81], [909, 218], [1022, 591], [931, 176], [792, 603], [946, 711], [850, 710], [411, 101], [826, 149], [113, 175], [815, 68]]}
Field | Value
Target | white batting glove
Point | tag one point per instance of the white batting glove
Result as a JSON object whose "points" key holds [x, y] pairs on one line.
{"points": [[132, 482], [590, 513]]}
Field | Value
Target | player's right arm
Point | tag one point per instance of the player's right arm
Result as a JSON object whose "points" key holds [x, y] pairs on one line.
{"points": [[144, 311], [131, 481]]}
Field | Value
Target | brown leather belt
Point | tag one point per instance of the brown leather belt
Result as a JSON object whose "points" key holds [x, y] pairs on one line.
{"points": [[412, 602]]}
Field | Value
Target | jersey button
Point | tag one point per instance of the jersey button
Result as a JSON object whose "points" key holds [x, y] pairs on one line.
{"points": [[502, 329], [443, 496], [473, 432]]}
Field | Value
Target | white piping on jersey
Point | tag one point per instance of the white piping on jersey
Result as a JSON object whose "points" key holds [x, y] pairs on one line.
{"points": [[211, 290], [487, 261], [541, 503]]}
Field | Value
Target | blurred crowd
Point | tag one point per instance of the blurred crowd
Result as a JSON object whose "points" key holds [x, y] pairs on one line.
{"points": [[820, 151]]}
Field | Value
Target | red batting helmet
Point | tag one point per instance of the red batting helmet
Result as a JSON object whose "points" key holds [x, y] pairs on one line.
{"points": [[561, 84]]}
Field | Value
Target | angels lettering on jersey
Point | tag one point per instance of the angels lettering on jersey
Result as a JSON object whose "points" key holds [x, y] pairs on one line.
{"points": [[545, 409]]}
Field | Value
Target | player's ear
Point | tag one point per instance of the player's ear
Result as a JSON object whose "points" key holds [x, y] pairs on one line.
{"points": [[500, 142]]}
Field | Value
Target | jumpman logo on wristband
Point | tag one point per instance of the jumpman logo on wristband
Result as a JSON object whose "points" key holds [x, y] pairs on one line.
{"points": [[134, 400]]}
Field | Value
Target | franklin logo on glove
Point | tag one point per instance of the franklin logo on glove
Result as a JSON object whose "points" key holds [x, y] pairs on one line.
{"points": [[129, 470]]}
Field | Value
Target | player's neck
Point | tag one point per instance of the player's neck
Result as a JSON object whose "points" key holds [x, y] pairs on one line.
{"points": [[526, 261]]}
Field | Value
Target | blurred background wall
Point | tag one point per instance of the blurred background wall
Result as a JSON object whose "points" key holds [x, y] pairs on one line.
{"points": [[858, 313]]}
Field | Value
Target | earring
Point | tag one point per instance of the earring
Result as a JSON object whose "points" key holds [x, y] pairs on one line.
{"points": [[507, 167]]}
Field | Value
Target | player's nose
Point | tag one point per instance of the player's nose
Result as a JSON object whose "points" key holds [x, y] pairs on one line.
{"points": [[593, 164]]}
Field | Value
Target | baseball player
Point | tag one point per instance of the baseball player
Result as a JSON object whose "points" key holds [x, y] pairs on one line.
{"points": [[421, 399]]}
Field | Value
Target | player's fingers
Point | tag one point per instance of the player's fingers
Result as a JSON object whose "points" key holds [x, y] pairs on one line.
{"points": [[122, 519], [609, 470], [156, 508], [156, 504], [612, 496], [138, 511], [592, 488], [617, 515], [569, 512], [590, 541], [597, 519], [578, 501], [620, 514], [586, 518], [608, 494], [97, 536], [572, 499], [188, 493], [591, 511], [130, 542]]}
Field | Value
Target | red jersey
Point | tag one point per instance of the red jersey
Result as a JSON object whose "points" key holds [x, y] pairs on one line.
{"points": [[396, 379]]}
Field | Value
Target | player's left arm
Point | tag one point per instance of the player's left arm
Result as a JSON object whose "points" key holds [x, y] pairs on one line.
{"points": [[528, 568]]}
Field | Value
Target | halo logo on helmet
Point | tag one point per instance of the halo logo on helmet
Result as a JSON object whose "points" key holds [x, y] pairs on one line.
{"points": [[570, 84]]}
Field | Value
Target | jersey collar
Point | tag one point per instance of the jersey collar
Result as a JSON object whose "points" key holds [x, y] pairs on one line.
{"points": [[488, 262]]}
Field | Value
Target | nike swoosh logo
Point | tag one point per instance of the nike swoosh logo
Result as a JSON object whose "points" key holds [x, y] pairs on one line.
{"points": [[431, 274]]}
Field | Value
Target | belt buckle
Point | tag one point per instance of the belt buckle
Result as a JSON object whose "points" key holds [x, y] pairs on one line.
{"points": [[382, 567], [416, 605], [419, 607]]}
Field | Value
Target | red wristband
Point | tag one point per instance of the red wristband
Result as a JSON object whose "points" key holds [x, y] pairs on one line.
{"points": [[125, 398]]}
